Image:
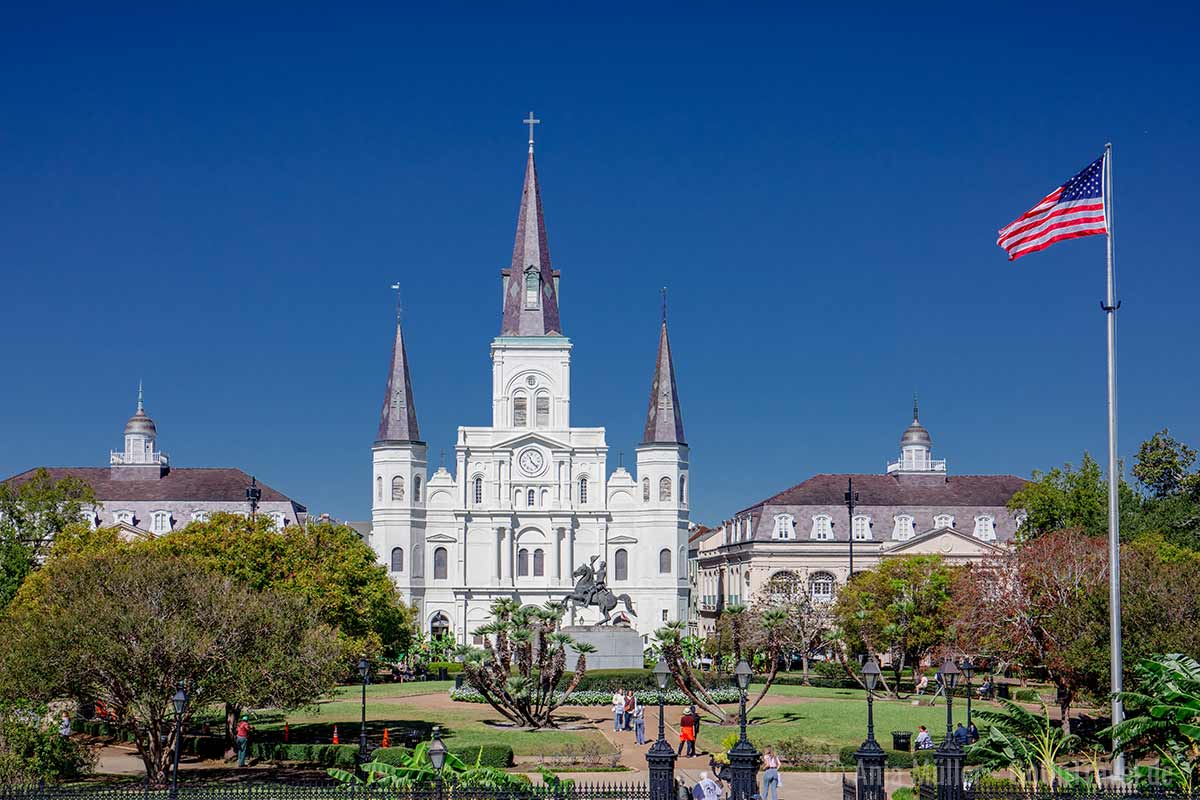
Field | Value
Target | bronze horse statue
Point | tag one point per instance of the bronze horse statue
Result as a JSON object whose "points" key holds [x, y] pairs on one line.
{"points": [[591, 590]]}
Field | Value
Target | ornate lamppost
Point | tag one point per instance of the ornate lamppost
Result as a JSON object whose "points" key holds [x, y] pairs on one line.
{"points": [[968, 668], [437, 756], [179, 701], [661, 756], [949, 757], [364, 669], [743, 758], [870, 756]]}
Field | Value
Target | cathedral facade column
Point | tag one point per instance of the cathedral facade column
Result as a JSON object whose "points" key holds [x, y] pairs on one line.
{"points": [[498, 563], [559, 533]]}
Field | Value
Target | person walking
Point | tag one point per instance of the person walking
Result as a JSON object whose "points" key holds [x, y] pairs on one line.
{"points": [[687, 733], [618, 708], [770, 777], [242, 740], [639, 722], [64, 726]]}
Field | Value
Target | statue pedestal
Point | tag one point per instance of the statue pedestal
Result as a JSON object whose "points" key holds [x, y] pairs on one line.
{"points": [[616, 647]]}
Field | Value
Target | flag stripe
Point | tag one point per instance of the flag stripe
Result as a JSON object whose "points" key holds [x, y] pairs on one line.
{"points": [[1072, 210]]}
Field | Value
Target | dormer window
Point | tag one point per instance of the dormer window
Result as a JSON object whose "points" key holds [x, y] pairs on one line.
{"points": [[123, 517], [822, 527], [943, 521], [160, 522], [903, 529], [861, 527], [278, 518], [199, 516], [533, 286], [785, 527], [985, 528]]}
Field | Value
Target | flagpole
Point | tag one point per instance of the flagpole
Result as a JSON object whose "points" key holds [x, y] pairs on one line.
{"points": [[1110, 307]]}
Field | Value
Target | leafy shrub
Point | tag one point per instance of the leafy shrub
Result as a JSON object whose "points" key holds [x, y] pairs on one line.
{"points": [[904, 793], [589, 753], [451, 667], [326, 755], [992, 783], [896, 759], [672, 697], [489, 755], [796, 749], [826, 669], [1026, 696], [31, 752], [924, 775]]}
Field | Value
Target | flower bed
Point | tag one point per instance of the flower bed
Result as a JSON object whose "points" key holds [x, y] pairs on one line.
{"points": [[672, 697]]}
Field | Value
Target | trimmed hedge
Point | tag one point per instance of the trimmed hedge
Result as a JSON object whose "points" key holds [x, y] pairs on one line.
{"points": [[452, 667], [326, 755], [489, 755], [609, 680], [895, 758], [672, 697]]}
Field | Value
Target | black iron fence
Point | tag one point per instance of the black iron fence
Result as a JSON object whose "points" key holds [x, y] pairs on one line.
{"points": [[250, 791], [1081, 793]]}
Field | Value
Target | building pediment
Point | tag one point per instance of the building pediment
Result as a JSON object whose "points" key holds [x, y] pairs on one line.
{"points": [[526, 438], [440, 537], [622, 539], [943, 542]]}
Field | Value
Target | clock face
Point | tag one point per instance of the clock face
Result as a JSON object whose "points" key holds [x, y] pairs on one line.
{"points": [[531, 461]]}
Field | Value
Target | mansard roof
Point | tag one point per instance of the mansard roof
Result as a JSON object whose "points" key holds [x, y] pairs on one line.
{"points": [[212, 484], [901, 490]]}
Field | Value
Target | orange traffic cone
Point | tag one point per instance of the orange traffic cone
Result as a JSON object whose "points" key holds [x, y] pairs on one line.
{"points": [[386, 742], [285, 732], [335, 736]]}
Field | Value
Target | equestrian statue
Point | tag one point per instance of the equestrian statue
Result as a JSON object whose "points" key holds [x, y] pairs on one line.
{"points": [[592, 590]]}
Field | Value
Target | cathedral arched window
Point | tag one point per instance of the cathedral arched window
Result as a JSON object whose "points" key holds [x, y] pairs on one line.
{"points": [[583, 487], [440, 563], [397, 559], [645, 490], [522, 563], [683, 490], [478, 491], [621, 565], [533, 287], [822, 527], [416, 488], [542, 410], [520, 411], [531, 498], [439, 626], [664, 561], [903, 529], [664, 489], [397, 488], [539, 563], [378, 488]]}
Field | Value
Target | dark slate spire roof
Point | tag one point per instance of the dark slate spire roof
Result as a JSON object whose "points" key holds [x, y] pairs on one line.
{"points": [[664, 425], [530, 249], [398, 419]]}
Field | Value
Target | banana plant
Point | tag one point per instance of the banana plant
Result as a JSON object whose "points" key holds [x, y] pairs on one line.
{"points": [[1163, 722], [1027, 744], [417, 768]]}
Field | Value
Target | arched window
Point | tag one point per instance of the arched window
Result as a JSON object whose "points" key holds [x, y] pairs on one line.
{"points": [[822, 528], [783, 587], [440, 558], [397, 488], [416, 488], [683, 490], [397, 559], [985, 527], [664, 489], [664, 561], [531, 498], [439, 625], [621, 565], [532, 288], [539, 563], [523, 563], [943, 521], [645, 490], [861, 527], [542, 410], [520, 411], [478, 491], [378, 488], [785, 527], [903, 529], [820, 587], [583, 489]]}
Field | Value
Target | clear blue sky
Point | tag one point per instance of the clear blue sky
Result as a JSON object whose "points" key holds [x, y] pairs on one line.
{"points": [[216, 202]]}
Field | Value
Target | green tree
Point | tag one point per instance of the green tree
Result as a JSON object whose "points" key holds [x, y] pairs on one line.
{"points": [[1064, 498], [901, 609], [1163, 722], [124, 628], [1163, 465], [32, 513], [804, 621]]}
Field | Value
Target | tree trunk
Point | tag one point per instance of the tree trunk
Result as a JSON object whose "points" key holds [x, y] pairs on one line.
{"points": [[767, 687], [804, 666]]}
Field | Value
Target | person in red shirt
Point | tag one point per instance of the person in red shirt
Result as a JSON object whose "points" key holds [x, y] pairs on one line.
{"points": [[242, 740]]}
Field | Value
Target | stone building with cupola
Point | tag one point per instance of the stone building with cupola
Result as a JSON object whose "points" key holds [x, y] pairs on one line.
{"points": [[529, 498], [141, 493], [807, 535]]}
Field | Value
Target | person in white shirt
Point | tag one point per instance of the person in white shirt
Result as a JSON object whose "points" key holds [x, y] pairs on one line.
{"points": [[708, 787], [924, 740], [618, 707]]}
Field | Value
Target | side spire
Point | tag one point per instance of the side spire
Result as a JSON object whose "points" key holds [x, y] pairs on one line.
{"points": [[664, 425], [398, 419], [530, 294]]}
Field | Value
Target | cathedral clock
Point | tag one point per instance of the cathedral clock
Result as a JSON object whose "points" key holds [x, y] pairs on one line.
{"points": [[531, 461]]}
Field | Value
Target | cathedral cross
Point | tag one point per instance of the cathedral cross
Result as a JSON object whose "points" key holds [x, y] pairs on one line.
{"points": [[531, 122]]}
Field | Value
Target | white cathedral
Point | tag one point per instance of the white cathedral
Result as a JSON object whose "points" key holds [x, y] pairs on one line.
{"points": [[531, 498]]}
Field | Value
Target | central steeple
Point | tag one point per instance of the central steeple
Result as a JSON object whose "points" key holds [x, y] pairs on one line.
{"points": [[530, 294]]}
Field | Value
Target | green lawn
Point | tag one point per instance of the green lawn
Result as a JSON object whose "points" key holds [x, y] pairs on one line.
{"points": [[410, 689]]}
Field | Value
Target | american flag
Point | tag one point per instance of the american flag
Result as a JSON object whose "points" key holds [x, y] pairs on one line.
{"points": [[1074, 209]]}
